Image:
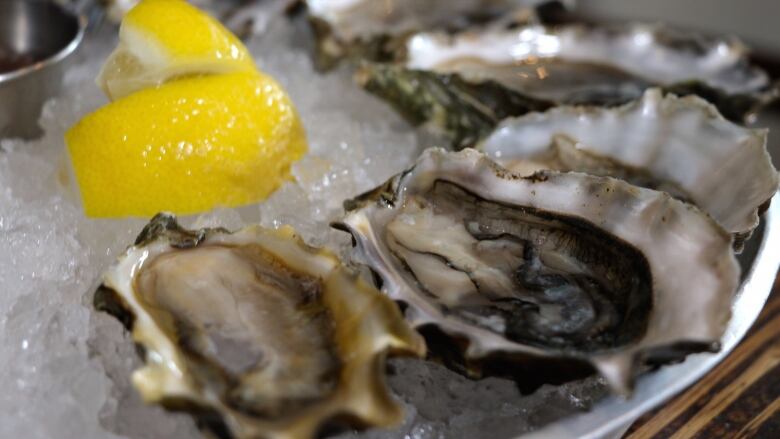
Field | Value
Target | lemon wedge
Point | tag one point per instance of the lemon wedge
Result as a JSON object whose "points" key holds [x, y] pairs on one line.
{"points": [[164, 39], [193, 125], [186, 147]]}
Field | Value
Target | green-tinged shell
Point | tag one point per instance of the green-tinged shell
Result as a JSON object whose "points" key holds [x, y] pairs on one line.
{"points": [[498, 72], [255, 333], [463, 111]]}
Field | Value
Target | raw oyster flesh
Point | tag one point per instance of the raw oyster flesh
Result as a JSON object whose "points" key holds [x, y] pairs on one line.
{"points": [[256, 333], [490, 74], [679, 145], [556, 265]]}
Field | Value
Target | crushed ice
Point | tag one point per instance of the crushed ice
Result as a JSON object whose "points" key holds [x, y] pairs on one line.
{"points": [[67, 368]]}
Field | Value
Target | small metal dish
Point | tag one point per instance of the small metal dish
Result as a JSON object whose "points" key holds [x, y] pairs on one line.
{"points": [[37, 39]]}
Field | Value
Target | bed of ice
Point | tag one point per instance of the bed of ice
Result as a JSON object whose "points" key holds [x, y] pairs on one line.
{"points": [[66, 368]]}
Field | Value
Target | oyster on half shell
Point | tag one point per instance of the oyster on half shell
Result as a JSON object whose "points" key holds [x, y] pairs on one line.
{"points": [[682, 146], [254, 332], [376, 29], [497, 72], [554, 266]]}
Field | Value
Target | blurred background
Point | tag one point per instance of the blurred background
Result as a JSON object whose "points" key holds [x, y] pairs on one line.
{"points": [[753, 21]]}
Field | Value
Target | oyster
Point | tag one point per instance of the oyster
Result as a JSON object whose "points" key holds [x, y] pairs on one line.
{"points": [[552, 266], [679, 145], [375, 29], [513, 71], [255, 332]]}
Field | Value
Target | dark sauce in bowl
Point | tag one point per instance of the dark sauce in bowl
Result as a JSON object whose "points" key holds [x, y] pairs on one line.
{"points": [[10, 61]]}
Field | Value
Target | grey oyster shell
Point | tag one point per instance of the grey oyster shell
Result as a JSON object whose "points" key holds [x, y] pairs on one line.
{"points": [[369, 29], [254, 332], [497, 72], [682, 146], [553, 266]]}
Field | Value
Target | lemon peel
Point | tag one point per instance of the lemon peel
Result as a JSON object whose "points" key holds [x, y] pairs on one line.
{"points": [[194, 125], [163, 39], [194, 144]]}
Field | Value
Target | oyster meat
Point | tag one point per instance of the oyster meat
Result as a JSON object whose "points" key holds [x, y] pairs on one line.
{"points": [[512, 71], [552, 266], [256, 333], [679, 145]]}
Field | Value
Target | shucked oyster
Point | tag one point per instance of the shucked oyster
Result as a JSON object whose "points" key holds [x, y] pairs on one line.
{"points": [[556, 265], [372, 29], [488, 75], [255, 332], [679, 145]]}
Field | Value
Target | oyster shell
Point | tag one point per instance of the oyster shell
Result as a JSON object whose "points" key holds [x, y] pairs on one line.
{"points": [[375, 29], [255, 332], [679, 145], [556, 265], [117, 9], [514, 71]]}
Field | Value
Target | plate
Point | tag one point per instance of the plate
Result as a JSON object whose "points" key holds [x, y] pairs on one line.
{"points": [[612, 416]]}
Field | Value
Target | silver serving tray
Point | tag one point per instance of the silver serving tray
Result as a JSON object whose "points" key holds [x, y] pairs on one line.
{"points": [[612, 416]]}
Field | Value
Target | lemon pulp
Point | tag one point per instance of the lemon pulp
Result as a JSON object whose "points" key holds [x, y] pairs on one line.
{"points": [[163, 39]]}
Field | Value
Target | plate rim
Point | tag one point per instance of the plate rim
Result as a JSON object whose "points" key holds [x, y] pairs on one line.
{"points": [[614, 414]]}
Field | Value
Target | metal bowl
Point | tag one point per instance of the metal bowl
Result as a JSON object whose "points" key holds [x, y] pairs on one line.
{"points": [[37, 39]]}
